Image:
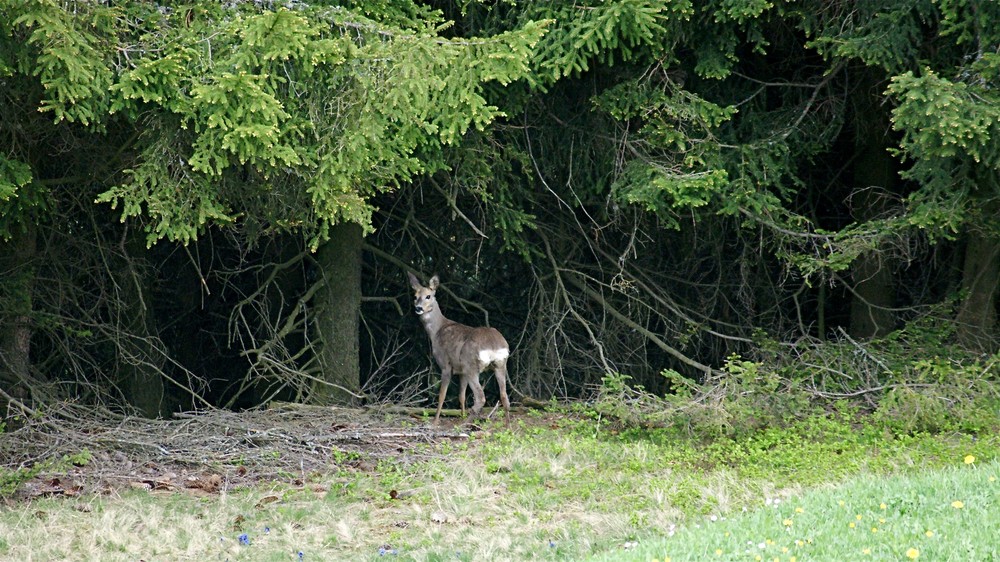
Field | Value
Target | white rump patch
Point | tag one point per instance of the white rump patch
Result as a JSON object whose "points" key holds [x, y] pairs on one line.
{"points": [[491, 355]]}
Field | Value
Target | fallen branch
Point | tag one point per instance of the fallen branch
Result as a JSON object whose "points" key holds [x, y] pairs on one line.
{"points": [[416, 412]]}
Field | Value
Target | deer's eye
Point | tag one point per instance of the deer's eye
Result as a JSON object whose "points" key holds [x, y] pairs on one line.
{"points": [[427, 298]]}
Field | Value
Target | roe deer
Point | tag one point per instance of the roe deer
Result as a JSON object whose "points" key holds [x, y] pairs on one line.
{"points": [[461, 349]]}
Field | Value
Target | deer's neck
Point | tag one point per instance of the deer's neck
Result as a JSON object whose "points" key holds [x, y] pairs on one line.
{"points": [[433, 322]]}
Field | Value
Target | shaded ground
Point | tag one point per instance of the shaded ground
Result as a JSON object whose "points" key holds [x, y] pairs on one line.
{"points": [[75, 451]]}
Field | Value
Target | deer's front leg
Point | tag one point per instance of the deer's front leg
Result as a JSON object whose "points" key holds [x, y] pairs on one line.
{"points": [[445, 381]]}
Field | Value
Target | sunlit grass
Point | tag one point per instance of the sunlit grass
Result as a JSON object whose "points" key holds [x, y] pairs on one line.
{"points": [[943, 514], [562, 488]]}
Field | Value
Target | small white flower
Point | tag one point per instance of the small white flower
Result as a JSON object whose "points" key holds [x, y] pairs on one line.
{"points": [[713, 518]]}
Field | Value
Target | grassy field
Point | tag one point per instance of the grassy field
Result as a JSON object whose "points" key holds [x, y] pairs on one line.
{"points": [[942, 514], [563, 487]]}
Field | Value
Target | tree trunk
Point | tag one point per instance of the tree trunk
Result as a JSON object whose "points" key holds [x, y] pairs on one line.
{"points": [[142, 364], [874, 295], [874, 180], [977, 316], [338, 305], [17, 278]]}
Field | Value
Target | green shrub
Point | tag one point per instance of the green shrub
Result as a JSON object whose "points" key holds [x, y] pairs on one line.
{"points": [[914, 380], [936, 395], [12, 478]]}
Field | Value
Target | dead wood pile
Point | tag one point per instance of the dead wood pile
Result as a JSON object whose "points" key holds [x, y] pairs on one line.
{"points": [[207, 451]]}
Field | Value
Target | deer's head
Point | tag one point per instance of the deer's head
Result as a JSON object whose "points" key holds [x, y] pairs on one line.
{"points": [[424, 301]]}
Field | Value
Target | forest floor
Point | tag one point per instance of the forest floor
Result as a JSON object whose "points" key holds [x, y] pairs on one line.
{"points": [[306, 483]]}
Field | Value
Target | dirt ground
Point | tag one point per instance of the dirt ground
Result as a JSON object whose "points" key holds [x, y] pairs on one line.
{"points": [[207, 452]]}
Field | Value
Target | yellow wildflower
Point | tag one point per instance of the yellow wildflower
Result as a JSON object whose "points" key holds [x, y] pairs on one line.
{"points": [[882, 506], [912, 553], [969, 459], [929, 533], [957, 504], [718, 552], [787, 522]]}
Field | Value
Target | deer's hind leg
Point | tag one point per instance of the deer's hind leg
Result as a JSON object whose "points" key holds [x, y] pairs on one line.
{"points": [[463, 384], [478, 396], [500, 371]]}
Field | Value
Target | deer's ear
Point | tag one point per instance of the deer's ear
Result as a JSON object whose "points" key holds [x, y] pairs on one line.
{"points": [[433, 283], [414, 282]]}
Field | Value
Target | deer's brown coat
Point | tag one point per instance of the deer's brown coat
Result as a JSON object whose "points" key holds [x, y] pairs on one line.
{"points": [[460, 349]]}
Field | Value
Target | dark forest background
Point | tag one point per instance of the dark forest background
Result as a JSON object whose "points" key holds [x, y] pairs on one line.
{"points": [[215, 204]]}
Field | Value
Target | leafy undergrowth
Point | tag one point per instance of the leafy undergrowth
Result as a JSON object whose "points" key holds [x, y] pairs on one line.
{"points": [[554, 486]]}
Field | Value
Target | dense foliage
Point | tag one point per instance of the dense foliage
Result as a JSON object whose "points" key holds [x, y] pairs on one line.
{"points": [[637, 187]]}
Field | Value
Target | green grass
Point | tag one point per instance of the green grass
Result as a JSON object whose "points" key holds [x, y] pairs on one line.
{"points": [[558, 487], [940, 515]]}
